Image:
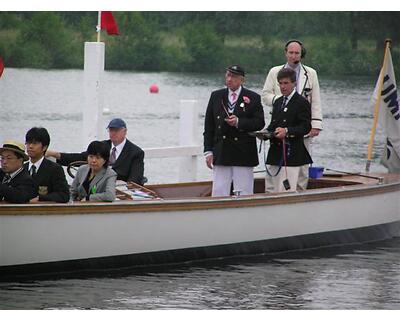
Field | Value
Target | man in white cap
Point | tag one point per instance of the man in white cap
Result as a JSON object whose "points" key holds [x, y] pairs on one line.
{"points": [[16, 185], [126, 158]]}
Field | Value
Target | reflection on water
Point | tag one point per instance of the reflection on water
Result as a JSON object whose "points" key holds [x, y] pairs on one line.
{"points": [[364, 277], [357, 277]]}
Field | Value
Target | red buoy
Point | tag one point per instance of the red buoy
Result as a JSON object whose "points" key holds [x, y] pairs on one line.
{"points": [[153, 88]]}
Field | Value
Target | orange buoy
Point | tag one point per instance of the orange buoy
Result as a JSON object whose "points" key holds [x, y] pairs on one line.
{"points": [[153, 88]]}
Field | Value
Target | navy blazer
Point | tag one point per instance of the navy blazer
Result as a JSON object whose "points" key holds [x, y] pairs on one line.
{"points": [[20, 189], [51, 182], [233, 146], [296, 117], [129, 165]]}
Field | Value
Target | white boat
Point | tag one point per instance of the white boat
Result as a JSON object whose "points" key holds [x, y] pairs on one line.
{"points": [[185, 224]]}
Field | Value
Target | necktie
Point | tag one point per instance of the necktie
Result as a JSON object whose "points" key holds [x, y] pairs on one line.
{"points": [[113, 156], [234, 97], [7, 178], [33, 170], [284, 103]]}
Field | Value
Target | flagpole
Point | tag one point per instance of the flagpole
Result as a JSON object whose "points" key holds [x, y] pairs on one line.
{"points": [[377, 104], [98, 26]]}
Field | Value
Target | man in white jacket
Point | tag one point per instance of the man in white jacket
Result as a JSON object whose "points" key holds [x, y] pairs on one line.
{"points": [[307, 85]]}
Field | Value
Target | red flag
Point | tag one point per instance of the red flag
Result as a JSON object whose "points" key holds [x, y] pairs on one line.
{"points": [[108, 23], [1, 66]]}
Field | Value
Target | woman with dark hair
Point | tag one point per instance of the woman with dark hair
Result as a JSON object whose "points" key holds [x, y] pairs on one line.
{"points": [[95, 181]]}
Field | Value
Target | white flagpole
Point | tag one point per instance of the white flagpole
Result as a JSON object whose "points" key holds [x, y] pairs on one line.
{"points": [[98, 26], [377, 104]]}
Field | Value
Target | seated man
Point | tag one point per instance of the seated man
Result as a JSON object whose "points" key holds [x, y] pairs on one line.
{"points": [[126, 158], [48, 176], [16, 185], [290, 121]]}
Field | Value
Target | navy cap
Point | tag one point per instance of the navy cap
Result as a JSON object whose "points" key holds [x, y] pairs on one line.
{"points": [[117, 123], [236, 69]]}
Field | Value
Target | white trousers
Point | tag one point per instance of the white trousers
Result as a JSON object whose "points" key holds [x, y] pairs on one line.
{"points": [[277, 181], [242, 177]]}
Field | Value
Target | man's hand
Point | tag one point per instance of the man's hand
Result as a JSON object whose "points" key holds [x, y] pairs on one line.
{"points": [[209, 161], [54, 154], [280, 133], [232, 120], [314, 132], [34, 200]]}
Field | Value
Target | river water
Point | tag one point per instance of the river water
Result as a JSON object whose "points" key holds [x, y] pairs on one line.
{"points": [[358, 277]]}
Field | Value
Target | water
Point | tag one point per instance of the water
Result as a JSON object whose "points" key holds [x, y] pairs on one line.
{"points": [[360, 277]]}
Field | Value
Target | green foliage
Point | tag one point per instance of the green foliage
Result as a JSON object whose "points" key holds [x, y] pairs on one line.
{"points": [[204, 47], [137, 47], [338, 43], [45, 43]]}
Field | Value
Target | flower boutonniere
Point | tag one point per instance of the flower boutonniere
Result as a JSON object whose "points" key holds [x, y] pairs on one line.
{"points": [[246, 100]]}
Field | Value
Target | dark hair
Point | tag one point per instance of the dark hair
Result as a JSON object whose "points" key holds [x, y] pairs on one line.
{"points": [[303, 50], [287, 73], [98, 148], [38, 134]]}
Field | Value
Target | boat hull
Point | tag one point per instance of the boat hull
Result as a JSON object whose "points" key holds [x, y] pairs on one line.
{"points": [[59, 238]]}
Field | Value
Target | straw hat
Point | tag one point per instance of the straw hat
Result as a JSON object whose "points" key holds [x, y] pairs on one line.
{"points": [[15, 146]]}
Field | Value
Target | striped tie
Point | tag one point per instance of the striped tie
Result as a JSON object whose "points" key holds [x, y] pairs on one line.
{"points": [[113, 156]]}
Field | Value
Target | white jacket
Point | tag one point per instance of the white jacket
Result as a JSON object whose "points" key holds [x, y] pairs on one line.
{"points": [[309, 88]]}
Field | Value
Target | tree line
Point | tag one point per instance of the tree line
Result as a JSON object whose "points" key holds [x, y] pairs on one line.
{"points": [[338, 43]]}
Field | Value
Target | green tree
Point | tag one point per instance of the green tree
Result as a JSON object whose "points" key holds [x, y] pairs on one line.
{"points": [[204, 47], [45, 43], [138, 45]]}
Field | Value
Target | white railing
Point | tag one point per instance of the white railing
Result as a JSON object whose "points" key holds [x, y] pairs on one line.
{"points": [[188, 149]]}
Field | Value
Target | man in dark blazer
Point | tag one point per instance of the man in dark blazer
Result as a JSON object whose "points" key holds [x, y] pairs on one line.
{"points": [[48, 176], [290, 121], [16, 185], [230, 151], [127, 159]]}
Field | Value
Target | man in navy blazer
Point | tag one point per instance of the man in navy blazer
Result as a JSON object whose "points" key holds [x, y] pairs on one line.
{"points": [[290, 121], [230, 151], [127, 159], [49, 177]]}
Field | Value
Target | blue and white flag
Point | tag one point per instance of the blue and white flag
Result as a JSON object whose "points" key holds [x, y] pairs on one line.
{"points": [[389, 115]]}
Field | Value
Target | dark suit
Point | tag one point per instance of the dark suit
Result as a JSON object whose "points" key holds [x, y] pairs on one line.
{"points": [[51, 182], [296, 117], [233, 146], [20, 189], [129, 165]]}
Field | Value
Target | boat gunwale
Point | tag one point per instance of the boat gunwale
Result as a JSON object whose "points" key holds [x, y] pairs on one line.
{"points": [[200, 203]]}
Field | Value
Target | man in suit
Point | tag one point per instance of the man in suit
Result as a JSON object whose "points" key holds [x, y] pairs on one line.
{"points": [[126, 158], [48, 176], [290, 121], [307, 85], [230, 151], [16, 185]]}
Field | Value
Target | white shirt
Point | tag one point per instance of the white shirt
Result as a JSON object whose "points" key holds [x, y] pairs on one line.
{"points": [[290, 96], [37, 164]]}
